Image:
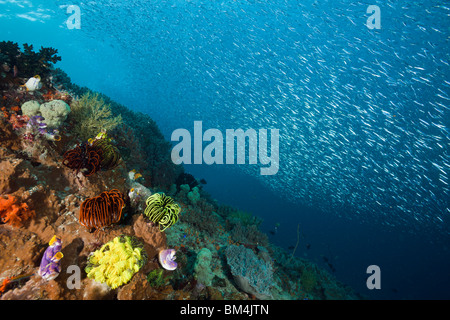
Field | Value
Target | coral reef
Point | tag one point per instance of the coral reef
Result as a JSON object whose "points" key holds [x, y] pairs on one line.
{"points": [[138, 138], [69, 179]]}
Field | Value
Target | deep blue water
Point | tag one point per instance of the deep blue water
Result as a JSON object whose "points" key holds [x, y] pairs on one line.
{"points": [[413, 266], [363, 114]]}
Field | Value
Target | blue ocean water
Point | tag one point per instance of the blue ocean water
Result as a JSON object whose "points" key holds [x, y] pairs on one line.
{"points": [[363, 114]]}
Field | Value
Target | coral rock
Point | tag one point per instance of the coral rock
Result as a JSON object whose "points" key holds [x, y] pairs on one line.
{"points": [[97, 291], [154, 240]]}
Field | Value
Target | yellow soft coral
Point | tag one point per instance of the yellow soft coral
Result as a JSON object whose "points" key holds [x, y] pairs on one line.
{"points": [[116, 262]]}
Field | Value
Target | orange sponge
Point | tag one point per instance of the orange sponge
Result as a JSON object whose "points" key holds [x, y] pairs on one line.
{"points": [[13, 213]]}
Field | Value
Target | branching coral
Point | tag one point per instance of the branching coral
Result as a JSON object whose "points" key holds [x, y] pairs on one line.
{"points": [[13, 213], [91, 115], [249, 235], [116, 262], [202, 217], [102, 211], [28, 61], [162, 209]]}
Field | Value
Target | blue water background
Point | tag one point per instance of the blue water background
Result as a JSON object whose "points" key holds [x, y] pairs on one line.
{"points": [[174, 60]]}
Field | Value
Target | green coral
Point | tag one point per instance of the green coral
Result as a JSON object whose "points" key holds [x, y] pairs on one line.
{"points": [[155, 278], [193, 195], [245, 218], [116, 262], [162, 209], [91, 115], [308, 279], [54, 112], [202, 267]]}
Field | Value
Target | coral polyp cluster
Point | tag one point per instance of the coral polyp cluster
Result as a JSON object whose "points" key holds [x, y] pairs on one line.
{"points": [[102, 211], [162, 209], [116, 261]]}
